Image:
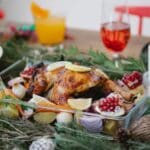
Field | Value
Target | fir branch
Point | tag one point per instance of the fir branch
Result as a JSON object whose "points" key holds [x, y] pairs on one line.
{"points": [[21, 132], [93, 58], [73, 137]]}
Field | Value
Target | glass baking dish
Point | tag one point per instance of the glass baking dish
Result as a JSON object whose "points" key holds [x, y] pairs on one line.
{"points": [[124, 121]]}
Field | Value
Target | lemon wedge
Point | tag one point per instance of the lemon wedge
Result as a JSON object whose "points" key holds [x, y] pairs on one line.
{"points": [[77, 68], [57, 65], [80, 103], [37, 99]]}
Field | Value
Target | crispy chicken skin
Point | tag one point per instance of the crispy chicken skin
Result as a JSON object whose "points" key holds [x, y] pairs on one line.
{"points": [[67, 83], [111, 86]]}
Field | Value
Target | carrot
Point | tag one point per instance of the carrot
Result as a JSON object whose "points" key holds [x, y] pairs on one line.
{"points": [[51, 105]]}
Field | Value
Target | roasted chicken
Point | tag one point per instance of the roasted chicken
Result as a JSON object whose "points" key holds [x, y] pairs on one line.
{"points": [[67, 83], [63, 83]]}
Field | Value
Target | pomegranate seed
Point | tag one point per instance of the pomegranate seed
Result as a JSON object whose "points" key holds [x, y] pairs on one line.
{"points": [[112, 104], [109, 103], [111, 108], [104, 108], [132, 80]]}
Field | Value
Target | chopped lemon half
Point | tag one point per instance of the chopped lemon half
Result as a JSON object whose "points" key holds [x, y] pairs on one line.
{"points": [[57, 65], [77, 68], [80, 103]]}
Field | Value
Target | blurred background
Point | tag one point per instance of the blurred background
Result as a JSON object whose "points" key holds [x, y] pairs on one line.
{"points": [[82, 14]]}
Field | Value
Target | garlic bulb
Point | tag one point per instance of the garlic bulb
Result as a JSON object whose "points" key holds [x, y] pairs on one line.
{"points": [[42, 144], [19, 90], [64, 118]]}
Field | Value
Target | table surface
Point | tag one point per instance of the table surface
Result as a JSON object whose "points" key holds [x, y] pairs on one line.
{"points": [[85, 39]]}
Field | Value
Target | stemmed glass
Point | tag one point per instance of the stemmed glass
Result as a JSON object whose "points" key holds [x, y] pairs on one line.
{"points": [[115, 27]]}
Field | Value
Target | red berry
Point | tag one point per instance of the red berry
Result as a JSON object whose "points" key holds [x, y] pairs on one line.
{"points": [[2, 15]]}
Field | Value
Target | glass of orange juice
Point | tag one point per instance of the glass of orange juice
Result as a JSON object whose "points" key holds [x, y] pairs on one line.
{"points": [[50, 30]]}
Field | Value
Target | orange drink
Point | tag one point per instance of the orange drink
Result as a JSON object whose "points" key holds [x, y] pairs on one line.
{"points": [[50, 30]]}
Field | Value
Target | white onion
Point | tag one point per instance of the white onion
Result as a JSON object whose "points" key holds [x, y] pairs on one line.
{"points": [[19, 90], [64, 117], [43, 143], [16, 80]]}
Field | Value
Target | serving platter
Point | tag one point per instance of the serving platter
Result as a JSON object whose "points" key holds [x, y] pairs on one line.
{"points": [[116, 122]]}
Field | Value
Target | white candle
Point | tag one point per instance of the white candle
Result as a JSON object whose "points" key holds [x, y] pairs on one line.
{"points": [[148, 70], [149, 62]]}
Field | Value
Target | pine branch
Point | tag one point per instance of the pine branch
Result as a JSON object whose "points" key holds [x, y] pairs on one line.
{"points": [[21, 132], [73, 137]]}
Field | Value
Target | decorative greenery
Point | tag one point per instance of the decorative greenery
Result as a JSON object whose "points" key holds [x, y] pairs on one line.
{"points": [[15, 50], [77, 138], [92, 58], [20, 133]]}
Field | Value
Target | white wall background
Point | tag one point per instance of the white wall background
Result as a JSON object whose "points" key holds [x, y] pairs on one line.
{"points": [[83, 14]]}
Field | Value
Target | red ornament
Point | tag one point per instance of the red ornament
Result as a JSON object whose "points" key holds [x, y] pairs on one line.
{"points": [[2, 14]]}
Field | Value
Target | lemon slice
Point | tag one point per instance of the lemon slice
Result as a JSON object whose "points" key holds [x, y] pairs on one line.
{"points": [[57, 65], [77, 68], [80, 103]]}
